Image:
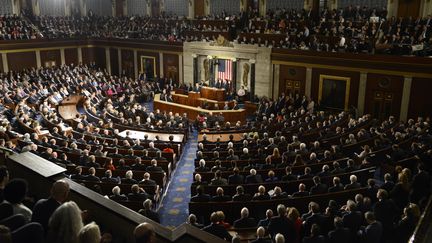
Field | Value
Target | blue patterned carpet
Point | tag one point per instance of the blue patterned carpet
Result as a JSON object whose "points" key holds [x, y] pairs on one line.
{"points": [[174, 208]]}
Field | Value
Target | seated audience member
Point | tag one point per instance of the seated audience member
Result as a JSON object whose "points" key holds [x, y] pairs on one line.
{"points": [[65, 224], [307, 174], [128, 179], [315, 236], [266, 221], [245, 221], [282, 225], [253, 177], [137, 193], [116, 195], [15, 192], [278, 193], [325, 171], [336, 168], [354, 184], [261, 236], [144, 233], [154, 167], [289, 176], [198, 181], [202, 166], [261, 194], [44, 208], [220, 197], [200, 196], [373, 232], [236, 178], [146, 181], [109, 179], [217, 166], [301, 192], [148, 212], [388, 183], [91, 175], [216, 229], [218, 180], [240, 195], [406, 226], [337, 185], [271, 177], [5, 234], [352, 218], [90, 233], [318, 187], [340, 234], [192, 220]]}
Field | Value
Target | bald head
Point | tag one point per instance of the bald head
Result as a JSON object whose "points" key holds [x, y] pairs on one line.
{"points": [[144, 233], [60, 191]]}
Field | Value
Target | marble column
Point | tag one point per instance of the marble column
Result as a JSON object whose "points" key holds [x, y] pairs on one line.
{"points": [[62, 56], [276, 76], [119, 61], [406, 93], [161, 66], [5, 62], [181, 80], [195, 68], [107, 60], [135, 57], [252, 88], [234, 74], [79, 55], [38, 59], [362, 93], [308, 82]]}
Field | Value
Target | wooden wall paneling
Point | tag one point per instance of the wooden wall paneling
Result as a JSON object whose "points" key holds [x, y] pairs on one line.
{"points": [[50, 58], [420, 98], [71, 56], [199, 8], [171, 66], [20, 60], [409, 8], [88, 55], [114, 61], [292, 76], [100, 57], [383, 95], [150, 55], [127, 62], [354, 83]]}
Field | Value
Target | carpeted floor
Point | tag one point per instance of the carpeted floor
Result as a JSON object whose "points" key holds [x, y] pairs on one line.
{"points": [[174, 208]]}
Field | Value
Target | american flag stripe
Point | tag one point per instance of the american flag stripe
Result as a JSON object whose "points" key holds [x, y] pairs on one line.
{"points": [[225, 69]]}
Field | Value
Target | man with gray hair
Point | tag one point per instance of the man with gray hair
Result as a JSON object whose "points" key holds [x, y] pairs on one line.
{"points": [[148, 212], [245, 221], [281, 224], [261, 236], [144, 233]]}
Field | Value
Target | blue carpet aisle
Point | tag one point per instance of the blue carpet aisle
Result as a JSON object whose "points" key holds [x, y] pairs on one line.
{"points": [[174, 208]]}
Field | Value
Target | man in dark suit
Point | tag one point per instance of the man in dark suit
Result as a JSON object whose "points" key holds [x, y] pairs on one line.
{"points": [[253, 177], [301, 192], [109, 179], [146, 181], [352, 218], [245, 221], [373, 232], [281, 224], [337, 186], [137, 194], [388, 183], [217, 229], [421, 185], [240, 196], [385, 211], [148, 212], [117, 196], [78, 174], [218, 180], [200, 196], [265, 222], [319, 187], [154, 167], [261, 236], [44, 208], [220, 196], [315, 218], [289, 176], [340, 234], [91, 175], [236, 178], [128, 179], [354, 184]]}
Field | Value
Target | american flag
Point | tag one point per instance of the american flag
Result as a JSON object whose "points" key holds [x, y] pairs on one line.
{"points": [[225, 69]]}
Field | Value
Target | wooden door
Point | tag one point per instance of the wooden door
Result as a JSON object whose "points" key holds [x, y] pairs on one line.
{"points": [[119, 8], [199, 8], [409, 8], [382, 105]]}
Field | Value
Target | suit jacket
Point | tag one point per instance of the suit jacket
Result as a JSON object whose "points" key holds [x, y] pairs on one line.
{"points": [[218, 182], [318, 189], [300, 194], [223, 198], [352, 186], [353, 221], [314, 239], [336, 188], [284, 226], [110, 180], [245, 223], [137, 196], [242, 197], [91, 178], [318, 219], [218, 230], [117, 198], [152, 168], [235, 179], [262, 240], [150, 214], [43, 210], [339, 235], [373, 233], [253, 179], [200, 198]]}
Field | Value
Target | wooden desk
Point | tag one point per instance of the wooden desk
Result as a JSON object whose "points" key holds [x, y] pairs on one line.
{"points": [[195, 102], [213, 93], [193, 112]]}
